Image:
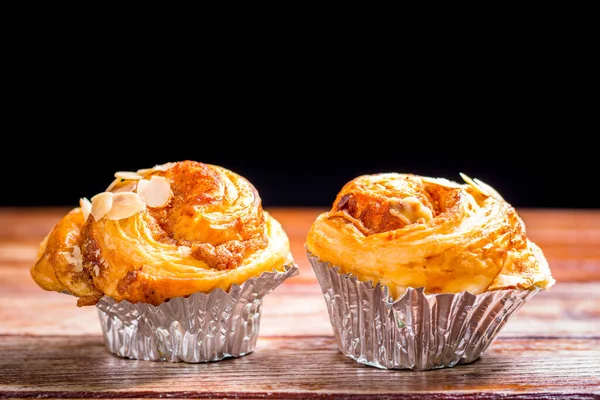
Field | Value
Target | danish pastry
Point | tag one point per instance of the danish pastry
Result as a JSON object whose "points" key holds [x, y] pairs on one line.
{"points": [[420, 272], [158, 233], [404, 230]]}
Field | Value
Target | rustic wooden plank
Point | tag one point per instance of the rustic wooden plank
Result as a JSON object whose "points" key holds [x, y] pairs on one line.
{"points": [[547, 218], [302, 368], [567, 310], [550, 349], [28, 223]]}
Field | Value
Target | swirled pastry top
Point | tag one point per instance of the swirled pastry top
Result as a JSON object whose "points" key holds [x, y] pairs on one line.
{"points": [[158, 233], [405, 230]]}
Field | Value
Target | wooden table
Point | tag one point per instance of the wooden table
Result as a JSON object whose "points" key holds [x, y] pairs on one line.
{"points": [[550, 349]]}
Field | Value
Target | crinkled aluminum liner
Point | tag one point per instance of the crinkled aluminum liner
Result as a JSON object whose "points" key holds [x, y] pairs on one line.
{"points": [[417, 331], [198, 328]]}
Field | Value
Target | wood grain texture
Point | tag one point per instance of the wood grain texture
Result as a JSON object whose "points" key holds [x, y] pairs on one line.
{"points": [[305, 366], [550, 349]]}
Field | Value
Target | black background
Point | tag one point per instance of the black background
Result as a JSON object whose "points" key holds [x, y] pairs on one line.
{"points": [[299, 138], [296, 167], [523, 120]]}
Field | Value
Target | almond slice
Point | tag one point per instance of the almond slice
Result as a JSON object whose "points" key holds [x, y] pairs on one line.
{"points": [[122, 176], [74, 258], [78, 258], [128, 175], [159, 167], [113, 184], [474, 185], [490, 189], [155, 192], [127, 186], [86, 207], [442, 182], [101, 205], [124, 205]]}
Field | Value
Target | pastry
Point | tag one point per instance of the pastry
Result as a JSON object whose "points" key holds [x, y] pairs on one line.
{"points": [[420, 238], [163, 243]]}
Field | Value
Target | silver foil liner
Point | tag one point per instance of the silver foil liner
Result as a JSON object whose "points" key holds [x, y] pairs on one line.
{"points": [[199, 328], [416, 331]]}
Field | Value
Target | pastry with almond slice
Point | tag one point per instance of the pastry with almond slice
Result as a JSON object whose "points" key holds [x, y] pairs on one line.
{"points": [[421, 272], [405, 230], [176, 234]]}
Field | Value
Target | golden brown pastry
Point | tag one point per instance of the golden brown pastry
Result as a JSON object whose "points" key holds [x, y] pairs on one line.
{"points": [[405, 230], [159, 233]]}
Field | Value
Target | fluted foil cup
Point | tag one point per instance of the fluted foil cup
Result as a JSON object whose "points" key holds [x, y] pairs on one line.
{"points": [[417, 331], [202, 327]]}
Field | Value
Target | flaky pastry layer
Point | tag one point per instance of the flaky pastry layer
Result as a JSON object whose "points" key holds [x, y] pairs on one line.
{"points": [[180, 228], [405, 230]]}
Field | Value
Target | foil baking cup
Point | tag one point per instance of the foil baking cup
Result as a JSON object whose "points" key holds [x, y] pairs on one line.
{"points": [[416, 331], [198, 328]]}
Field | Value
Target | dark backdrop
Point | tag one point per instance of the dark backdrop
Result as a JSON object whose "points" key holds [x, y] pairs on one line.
{"points": [[297, 168], [517, 121]]}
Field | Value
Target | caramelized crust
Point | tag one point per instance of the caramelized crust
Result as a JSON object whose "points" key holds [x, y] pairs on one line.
{"points": [[405, 230], [211, 232]]}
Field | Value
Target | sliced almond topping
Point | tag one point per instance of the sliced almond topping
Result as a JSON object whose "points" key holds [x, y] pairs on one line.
{"points": [[160, 167], [101, 204], [120, 185], [490, 189], [86, 207], [74, 258], [124, 205], [166, 166], [128, 175], [155, 192], [97, 270], [475, 185], [442, 182], [79, 257], [113, 184], [127, 186], [146, 171], [121, 178]]}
